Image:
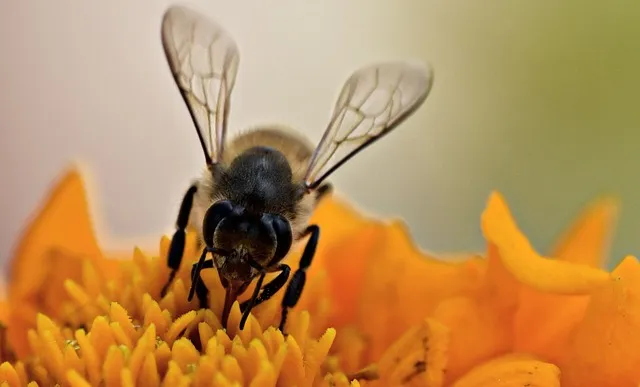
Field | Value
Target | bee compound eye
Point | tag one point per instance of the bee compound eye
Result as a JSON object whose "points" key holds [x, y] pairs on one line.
{"points": [[284, 237], [213, 217]]}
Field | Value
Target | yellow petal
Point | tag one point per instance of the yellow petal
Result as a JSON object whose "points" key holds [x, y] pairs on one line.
{"points": [[348, 262], [417, 358], [588, 240], [149, 372], [316, 353], [397, 273], [481, 323], [344, 231], [544, 320], [8, 374], [52, 248], [76, 380], [113, 365], [90, 356], [603, 350], [337, 220], [528, 266], [146, 344], [63, 223], [510, 371]]}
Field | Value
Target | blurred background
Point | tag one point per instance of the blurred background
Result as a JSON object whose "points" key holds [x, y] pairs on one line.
{"points": [[536, 99]]}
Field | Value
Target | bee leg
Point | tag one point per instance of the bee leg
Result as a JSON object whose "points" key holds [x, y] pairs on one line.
{"points": [[197, 286], [176, 248], [252, 300], [195, 273], [269, 289], [296, 285]]}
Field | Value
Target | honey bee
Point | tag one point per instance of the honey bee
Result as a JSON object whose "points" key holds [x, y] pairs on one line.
{"points": [[256, 195]]}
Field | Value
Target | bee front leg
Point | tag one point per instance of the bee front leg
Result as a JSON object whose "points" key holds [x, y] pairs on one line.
{"points": [[296, 285], [252, 300], [271, 288], [267, 292], [198, 287], [176, 248]]}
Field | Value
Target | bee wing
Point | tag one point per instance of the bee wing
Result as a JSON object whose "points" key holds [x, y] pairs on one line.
{"points": [[203, 59], [374, 100]]}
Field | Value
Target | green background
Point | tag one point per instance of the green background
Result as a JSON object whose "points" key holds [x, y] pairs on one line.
{"points": [[576, 72], [539, 100]]}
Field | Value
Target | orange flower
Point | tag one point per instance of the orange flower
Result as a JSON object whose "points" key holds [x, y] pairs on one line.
{"points": [[376, 311]]}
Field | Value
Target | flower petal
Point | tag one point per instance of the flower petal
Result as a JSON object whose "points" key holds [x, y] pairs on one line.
{"points": [[8, 374], [346, 265], [418, 357], [544, 320], [528, 266], [481, 323], [603, 349], [55, 242], [63, 223], [511, 371], [340, 218], [53, 248], [397, 274], [339, 222], [588, 240]]}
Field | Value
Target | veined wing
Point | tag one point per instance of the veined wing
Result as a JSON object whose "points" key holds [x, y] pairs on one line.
{"points": [[204, 62], [373, 101]]}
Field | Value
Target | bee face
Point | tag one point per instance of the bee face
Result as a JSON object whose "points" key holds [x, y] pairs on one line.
{"points": [[247, 243]]}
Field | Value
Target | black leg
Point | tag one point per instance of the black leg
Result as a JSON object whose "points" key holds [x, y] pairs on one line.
{"points": [[195, 273], [198, 267], [197, 286], [269, 289], [296, 285], [252, 301], [176, 248]]}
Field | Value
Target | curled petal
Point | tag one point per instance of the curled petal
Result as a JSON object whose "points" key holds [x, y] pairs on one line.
{"points": [[588, 239], [544, 320], [528, 266]]}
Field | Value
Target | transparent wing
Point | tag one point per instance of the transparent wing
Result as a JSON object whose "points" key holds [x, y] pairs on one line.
{"points": [[204, 61], [374, 100]]}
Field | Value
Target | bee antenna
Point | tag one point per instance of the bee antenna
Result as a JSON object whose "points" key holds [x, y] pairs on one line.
{"points": [[195, 274]]}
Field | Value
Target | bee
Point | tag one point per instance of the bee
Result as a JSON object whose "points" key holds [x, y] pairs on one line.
{"points": [[258, 190]]}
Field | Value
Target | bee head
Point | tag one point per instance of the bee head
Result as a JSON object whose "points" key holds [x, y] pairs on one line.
{"points": [[250, 242]]}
